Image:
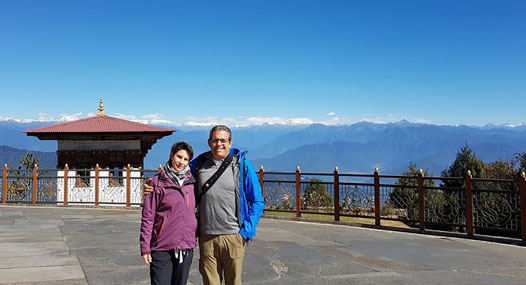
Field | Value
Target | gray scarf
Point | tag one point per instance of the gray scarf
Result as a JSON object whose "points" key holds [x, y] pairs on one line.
{"points": [[176, 176]]}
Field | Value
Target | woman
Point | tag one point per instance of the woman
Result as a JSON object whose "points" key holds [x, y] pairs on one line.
{"points": [[168, 228]]}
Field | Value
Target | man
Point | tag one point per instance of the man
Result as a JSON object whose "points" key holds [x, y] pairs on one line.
{"points": [[229, 210]]}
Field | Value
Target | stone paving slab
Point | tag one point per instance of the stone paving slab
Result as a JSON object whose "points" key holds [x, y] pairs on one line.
{"points": [[38, 261], [30, 238], [32, 249], [39, 221], [71, 245], [17, 230], [41, 273]]}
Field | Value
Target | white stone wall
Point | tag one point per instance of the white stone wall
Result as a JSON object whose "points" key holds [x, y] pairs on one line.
{"points": [[112, 190]]}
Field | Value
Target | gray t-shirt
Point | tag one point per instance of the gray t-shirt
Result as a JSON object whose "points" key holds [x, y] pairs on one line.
{"points": [[217, 209]]}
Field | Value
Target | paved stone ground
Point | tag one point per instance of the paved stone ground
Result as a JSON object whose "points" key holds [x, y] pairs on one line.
{"points": [[57, 245]]}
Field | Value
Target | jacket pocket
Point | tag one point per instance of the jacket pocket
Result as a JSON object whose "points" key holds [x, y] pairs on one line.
{"points": [[236, 246]]}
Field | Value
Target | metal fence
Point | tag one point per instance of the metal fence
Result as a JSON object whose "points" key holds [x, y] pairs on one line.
{"points": [[75, 186], [496, 205], [487, 206], [19, 184]]}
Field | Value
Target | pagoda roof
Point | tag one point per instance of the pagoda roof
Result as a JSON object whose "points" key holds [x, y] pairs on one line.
{"points": [[98, 124]]}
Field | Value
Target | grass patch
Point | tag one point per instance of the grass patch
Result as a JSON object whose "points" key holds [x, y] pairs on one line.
{"points": [[369, 221]]}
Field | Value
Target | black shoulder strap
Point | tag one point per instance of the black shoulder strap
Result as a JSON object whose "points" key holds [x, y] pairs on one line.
{"points": [[208, 184], [199, 163]]}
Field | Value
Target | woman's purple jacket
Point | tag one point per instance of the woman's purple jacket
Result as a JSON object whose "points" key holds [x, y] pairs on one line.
{"points": [[168, 215]]}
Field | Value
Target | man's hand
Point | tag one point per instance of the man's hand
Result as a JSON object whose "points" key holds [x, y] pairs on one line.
{"points": [[240, 237], [147, 189], [147, 258]]}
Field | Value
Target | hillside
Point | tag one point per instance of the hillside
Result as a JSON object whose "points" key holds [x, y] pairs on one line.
{"points": [[11, 157]]}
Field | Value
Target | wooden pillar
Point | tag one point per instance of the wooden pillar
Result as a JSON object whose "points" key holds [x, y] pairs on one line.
{"points": [[298, 192], [376, 197], [469, 205], [336, 195], [97, 184], [66, 172], [522, 187], [4, 185], [35, 177], [421, 201], [262, 180], [128, 186]]}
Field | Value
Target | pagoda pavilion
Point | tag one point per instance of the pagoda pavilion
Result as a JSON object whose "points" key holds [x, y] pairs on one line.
{"points": [[107, 141]]}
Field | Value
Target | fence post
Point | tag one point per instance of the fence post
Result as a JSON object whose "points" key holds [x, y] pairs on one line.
{"points": [[421, 201], [66, 172], [97, 184], [262, 180], [35, 169], [298, 196], [336, 194], [4, 185], [128, 186], [376, 197], [469, 204], [522, 187]]}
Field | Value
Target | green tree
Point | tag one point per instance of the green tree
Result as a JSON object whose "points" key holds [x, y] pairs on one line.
{"points": [[29, 160], [405, 194], [316, 195], [465, 160], [19, 188], [520, 159], [496, 207], [500, 169]]}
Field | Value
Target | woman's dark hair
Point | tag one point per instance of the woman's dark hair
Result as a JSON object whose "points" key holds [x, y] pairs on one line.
{"points": [[182, 146]]}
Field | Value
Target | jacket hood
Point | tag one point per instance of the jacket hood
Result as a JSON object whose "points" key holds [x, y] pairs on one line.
{"points": [[235, 151]]}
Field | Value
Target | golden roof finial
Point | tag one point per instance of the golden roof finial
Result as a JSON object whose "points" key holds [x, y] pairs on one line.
{"points": [[101, 108]]}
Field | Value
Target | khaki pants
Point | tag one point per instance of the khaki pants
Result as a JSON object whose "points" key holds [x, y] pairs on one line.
{"points": [[221, 253]]}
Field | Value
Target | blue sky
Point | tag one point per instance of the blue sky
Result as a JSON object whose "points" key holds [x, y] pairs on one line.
{"points": [[243, 62]]}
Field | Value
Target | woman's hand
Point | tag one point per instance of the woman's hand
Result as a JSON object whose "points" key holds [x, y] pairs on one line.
{"points": [[147, 258], [147, 189]]}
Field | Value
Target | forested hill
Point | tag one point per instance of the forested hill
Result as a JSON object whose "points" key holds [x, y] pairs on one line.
{"points": [[11, 156]]}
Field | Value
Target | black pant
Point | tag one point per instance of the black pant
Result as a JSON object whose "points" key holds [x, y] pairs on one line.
{"points": [[166, 269]]}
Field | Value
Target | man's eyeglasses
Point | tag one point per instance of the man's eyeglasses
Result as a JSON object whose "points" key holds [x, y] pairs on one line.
{"points": [[216, 141]]}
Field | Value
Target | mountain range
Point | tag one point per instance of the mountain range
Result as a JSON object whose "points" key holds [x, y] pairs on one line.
{"points": [[358, 147]]}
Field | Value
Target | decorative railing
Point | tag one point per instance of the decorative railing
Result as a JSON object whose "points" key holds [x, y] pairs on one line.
{"points": [[485, 206], [75, 186]]}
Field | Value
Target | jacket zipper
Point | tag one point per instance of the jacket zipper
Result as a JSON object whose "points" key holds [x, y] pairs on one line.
{"points": [[160, 230], [237, 167]]}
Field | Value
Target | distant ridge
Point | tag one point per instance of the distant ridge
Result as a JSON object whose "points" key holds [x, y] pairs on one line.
{"points": [[356, 147], [34, 123], [363, 146]]}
